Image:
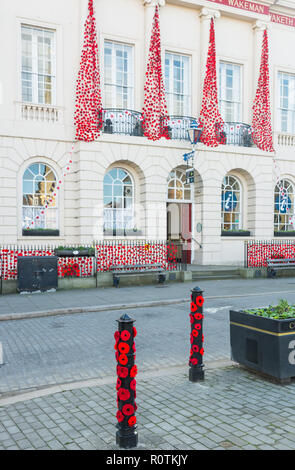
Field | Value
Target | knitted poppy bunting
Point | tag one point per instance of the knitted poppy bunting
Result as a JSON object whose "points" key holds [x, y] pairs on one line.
{"points": [[210, 118], [261, 123], [88, 113], [154, 112]]}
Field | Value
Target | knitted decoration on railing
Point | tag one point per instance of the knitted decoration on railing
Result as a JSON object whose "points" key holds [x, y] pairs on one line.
{"points": [[261, 123], [154, 112], [88, 113], [210, 117]]}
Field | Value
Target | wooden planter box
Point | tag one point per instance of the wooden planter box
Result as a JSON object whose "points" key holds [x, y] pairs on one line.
{"points": [[263, 344], [240, 233], [40, 233], [78, 253]]}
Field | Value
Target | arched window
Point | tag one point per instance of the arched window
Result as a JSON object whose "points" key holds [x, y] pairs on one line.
{"points": [[231, 210], [118, 200], [39, 191], [177, 189], [283, 206]]}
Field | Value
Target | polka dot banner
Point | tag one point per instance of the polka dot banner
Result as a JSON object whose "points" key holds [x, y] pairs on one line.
{"points": [[261, 122], [210, 117], [88, 112], [154, 112]]}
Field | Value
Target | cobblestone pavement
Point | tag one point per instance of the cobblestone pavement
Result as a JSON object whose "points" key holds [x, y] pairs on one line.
{"points": [[52, 350], [231, 409]]}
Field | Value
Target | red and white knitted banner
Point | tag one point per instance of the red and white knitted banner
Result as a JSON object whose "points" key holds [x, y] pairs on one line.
{"points": [[261, 122], [88, 113], [210, 117], [154, 112]]}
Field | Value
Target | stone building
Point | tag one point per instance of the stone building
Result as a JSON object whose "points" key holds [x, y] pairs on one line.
{"points": [[124, 185]]}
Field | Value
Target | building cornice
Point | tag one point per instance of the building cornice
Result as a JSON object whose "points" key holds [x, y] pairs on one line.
{"points": [[153, 3], [284, 7]]}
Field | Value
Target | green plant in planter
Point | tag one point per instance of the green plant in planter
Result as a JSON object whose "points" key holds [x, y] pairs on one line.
{"points": [[278, 312]]}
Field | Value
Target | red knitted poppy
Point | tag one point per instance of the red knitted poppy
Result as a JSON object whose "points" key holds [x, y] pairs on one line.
{"points": [[133, 371], [125, 335], [200, 300], [123, 359], [132, 421], [124, 348], [120, 416], [119, 383], [122, 372], [123, 394], [128, 409]]}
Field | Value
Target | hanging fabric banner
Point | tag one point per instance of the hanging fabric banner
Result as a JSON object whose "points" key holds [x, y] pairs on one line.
{"points": [[88, 113], [261, 123], [210, 117], [154, 112]]}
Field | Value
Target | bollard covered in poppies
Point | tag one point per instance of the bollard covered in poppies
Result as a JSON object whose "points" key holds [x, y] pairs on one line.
{"points": [[126, 435], [196, 371]]}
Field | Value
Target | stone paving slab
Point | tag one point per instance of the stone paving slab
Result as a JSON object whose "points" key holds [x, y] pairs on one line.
{"points": [[232, 409]]}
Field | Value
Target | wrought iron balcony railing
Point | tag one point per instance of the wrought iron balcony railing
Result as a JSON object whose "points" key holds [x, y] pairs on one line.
{"points": [[122, 121], [237, 133], [128, 122]]}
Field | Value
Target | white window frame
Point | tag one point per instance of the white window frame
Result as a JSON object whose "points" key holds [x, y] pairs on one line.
{"points": [[35, 73], [36, 209], [240, 211], [113, 84], [290, 213], [184, 187], [240, 102], [129, 212], [170, 95], [290, 123]]}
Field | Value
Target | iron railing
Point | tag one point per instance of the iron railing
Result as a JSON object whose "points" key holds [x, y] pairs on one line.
{"points": [[129, 122], [237, 133], [257, 252], [122, 121]]}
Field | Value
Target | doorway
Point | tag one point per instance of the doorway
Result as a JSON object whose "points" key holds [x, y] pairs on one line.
{"points": [[179, 229]]}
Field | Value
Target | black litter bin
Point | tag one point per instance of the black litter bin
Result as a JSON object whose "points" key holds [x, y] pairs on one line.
{"points": [[36, 273]]}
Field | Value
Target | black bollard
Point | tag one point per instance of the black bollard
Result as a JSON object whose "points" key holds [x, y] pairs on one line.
{"points": [[196, 372], [126, 435]]}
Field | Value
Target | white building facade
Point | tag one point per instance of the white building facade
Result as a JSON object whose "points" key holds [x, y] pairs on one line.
{"points": [[124, 185]]}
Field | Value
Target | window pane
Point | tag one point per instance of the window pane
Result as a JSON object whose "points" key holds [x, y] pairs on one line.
{"points": [[177, 84], [119, 75], [38, 68], [230, 97], [118, 200], [36, 188]]}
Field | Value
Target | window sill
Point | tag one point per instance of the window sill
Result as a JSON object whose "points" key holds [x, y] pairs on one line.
{"points": [[122, 233], [242, 233], [40, 233], [284, 234]]}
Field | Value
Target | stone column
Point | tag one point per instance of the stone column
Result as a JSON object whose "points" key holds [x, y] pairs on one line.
{"points": [[205, 16]]}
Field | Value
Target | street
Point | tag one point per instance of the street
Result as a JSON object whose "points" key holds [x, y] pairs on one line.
{"points": [[67, 348]]}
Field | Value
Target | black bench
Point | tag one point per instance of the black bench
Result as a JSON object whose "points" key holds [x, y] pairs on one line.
{"points": [[136, 270], [275, 264]]}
